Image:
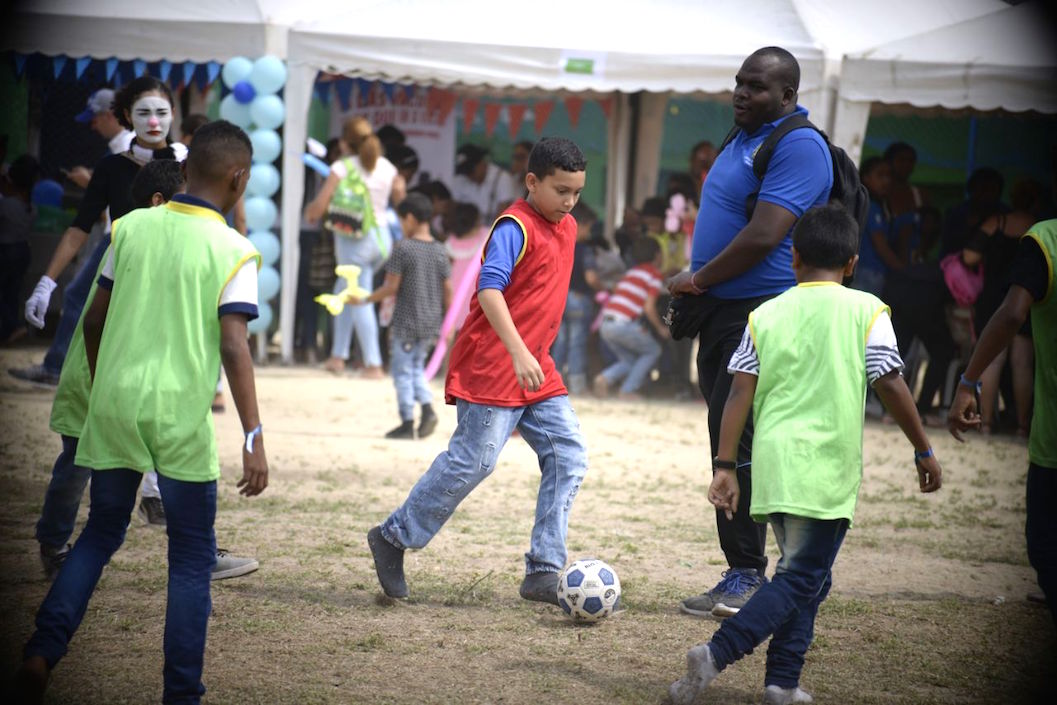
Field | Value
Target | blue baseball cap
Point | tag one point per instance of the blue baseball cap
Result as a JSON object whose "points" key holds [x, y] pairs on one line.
{"points": [[100, 101]]}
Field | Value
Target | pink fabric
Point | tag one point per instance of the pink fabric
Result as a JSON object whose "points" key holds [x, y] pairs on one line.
{"points": [[464, 251], [964, 284]]}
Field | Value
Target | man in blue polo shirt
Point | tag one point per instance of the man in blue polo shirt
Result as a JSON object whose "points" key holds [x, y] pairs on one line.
{"points": [[737, 263]]}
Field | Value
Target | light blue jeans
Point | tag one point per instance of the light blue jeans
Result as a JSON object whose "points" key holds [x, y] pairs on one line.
{"points": [[570, 347], [785, 608], [550, 427], [407, 359], [363, 253], [636, 350]]}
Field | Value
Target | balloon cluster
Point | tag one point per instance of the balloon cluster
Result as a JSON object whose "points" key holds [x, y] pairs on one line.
{"points": [[254, 106]]}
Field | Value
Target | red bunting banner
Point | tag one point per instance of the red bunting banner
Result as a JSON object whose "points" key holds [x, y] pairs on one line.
{"points": [[543, 114], [491, 117], [516, 114], [469, 111], [573, 105], [607, 106]]}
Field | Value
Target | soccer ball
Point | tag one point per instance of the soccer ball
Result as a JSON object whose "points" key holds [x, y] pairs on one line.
{"points": [[588, 590]]}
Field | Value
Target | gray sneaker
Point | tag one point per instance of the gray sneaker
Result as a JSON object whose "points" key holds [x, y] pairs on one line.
{"points": [[776, 695], [700, 672], [151, 511], [36, 375], [727, 597], [229, 566], [52, 558]]}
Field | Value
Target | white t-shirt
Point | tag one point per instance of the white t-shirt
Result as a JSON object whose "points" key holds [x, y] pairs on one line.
{"points": [[496, 189], [121, 141], [379, 182]]}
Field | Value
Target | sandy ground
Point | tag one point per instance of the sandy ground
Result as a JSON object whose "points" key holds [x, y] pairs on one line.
{"points": [[927, 605]]}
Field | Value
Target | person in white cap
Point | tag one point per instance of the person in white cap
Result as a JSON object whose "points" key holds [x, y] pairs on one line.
{"points": [[98, 114]]}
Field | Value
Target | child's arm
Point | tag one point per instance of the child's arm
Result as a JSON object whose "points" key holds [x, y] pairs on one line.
{"points": [[389, 287], [448, 293], [238, 365], [896, 397], [314, 210], [885, 252], [94, 318], [724, 491], [650, 311], [526, 367]]}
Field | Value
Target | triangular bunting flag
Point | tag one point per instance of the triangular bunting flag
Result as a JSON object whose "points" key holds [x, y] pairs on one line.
{"points": [[323, 92], [57, 64], [469, 112], [212, 71], [543, 114], [188, 72], [363, 91], [139, 67], [20, 65], [607, 106], [445, 104], [515, 114], [491, 117], [409, 92], [343, 88], [164, 69], [573, 105], [81, 65], [390, 90]]}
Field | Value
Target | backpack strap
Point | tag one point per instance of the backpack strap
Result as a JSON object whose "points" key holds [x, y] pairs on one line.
{"points": [[729, 138], [767, 147]]}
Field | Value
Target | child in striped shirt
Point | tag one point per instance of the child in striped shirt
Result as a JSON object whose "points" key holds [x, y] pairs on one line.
{"points": [[634, 298]]}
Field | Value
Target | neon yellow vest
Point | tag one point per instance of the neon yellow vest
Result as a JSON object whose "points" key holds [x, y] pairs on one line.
{"points": [[1042, 445], [810, 397], [160, 354]]}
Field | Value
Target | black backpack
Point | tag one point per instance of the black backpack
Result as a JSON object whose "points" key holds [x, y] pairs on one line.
{"points": [[848, 189]]}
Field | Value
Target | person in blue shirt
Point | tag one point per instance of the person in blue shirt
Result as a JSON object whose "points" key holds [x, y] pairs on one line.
{"points": [[877, 253], [738, 261]]}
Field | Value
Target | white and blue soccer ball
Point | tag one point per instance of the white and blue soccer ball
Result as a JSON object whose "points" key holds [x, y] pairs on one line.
{"points": [[588, 590]]}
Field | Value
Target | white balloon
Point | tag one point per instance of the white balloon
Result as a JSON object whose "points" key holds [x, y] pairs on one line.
{"points": [[235, 112], [267, 244], [268, 74], [235, 70], [267, 111], [262, 321], [266, 145], [260, 213]]}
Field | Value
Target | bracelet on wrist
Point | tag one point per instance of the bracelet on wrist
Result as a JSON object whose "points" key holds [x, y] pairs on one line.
{"points": [[693, 285], [922, 454], [971, 384], [718, 464], [250, 435]]}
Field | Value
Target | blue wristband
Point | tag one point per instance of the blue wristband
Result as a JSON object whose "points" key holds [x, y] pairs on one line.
{"points": [[922, 454], [250, 435], [971, 384]]}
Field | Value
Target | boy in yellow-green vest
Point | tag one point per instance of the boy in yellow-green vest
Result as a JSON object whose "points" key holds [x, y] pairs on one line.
{"points": [[175, 293], [1032, 284], [802, 368]]}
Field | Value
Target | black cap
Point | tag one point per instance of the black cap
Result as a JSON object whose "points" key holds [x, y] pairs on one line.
{"points": [[468, 157]]}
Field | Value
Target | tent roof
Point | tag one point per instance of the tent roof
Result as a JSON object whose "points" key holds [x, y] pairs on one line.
{"points": [[680, 45], [1006, 59]]}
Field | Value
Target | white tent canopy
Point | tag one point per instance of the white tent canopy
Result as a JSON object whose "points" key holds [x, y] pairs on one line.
{"points": [[1005, 59]]}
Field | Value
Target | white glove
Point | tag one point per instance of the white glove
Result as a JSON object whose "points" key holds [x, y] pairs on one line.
{"points": [[37, 304]]}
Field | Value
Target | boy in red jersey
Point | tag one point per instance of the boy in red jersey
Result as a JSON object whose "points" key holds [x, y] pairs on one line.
{"points": [[501, 377]]}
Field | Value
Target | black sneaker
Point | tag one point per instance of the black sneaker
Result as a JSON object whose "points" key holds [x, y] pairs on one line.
{"points": [[427, 424], [35, 375], [151, 511], [728, 596], [52, 558], [388, 564], [540, 587], [405, 430]]}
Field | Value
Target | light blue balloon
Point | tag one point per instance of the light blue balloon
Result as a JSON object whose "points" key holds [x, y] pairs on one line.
{"points": [[260, 213], [266, 145], [262, 321], [235, 70], [235, 112], [268, 74], [267, 244], [267, 111], [264, 180], [267, 283]]}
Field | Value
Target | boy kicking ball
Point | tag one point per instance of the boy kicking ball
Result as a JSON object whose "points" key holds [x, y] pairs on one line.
{"points": [[501, 378], [807, 448]]}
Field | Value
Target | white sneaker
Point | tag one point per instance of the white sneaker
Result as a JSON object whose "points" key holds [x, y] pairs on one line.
{"points": [[229, 566], [700, 672], [776, 695]]}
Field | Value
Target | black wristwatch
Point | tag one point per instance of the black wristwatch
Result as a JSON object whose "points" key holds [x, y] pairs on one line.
{"points": [[718, 464]]}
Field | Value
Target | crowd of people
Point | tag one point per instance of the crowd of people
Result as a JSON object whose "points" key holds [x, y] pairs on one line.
{"points": [[749, 266]]}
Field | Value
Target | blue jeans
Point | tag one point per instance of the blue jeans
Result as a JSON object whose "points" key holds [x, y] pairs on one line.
{"points": [[570, 347], [636, 350], [361, 319], [1041, 530], [63, 497], [73, 299], [407, 359], [190, 508], [785, 608], [550, 428]]}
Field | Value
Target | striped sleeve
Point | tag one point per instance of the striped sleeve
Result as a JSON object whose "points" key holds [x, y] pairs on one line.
{"points": [[882, 350], [744, 358]]}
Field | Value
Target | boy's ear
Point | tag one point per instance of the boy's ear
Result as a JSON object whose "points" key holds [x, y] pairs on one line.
{"points": [[156, 199], [239, 179], [849, 267], [531, 182], [796, 258]]}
